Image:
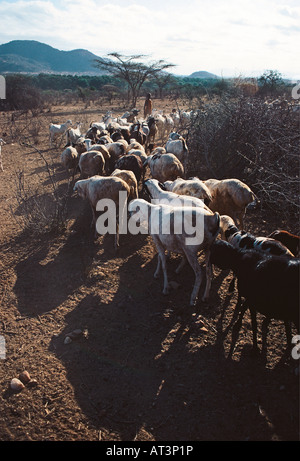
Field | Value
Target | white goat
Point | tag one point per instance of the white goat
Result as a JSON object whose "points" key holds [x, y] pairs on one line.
{"points": [[101, 187], [169, 125], [164, 124], [122, 121], [73, 134], [91, 163], [160, 123], [194, 187], [178, 147], [155, 192], [176, 118], [158, 150], [154, 217], [104, 151], [139, 152], [133, 144], [2, 142], [70, 159], [101, 126], [129, 177], [116, 149], [164, 167], [55, 130], [124, 142], [185, 117], [230, 197]]}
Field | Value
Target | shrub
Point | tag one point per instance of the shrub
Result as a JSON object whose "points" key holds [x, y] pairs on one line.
{"points": [[42, 209], [253, 141], [20, 94]]}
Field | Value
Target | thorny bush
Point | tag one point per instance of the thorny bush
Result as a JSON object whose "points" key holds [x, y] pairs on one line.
{"points": [[249, 139]]}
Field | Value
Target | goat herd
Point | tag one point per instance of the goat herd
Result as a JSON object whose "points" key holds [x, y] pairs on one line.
{"points": [[113, 155]]}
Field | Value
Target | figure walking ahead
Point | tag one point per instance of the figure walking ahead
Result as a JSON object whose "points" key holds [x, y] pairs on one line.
{"points": [[148, 105]]}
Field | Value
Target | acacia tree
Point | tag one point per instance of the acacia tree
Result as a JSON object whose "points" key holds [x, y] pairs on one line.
{"points": [[162, 79], [270, 82], [131, 70]]}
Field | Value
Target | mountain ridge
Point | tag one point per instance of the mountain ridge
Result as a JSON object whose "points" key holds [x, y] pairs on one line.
{"points": [[202, 74], [31, 56]]}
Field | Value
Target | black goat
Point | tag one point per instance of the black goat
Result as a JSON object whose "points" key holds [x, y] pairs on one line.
{"points": [[137, 133], [131, 162], [269, 285], [246, 241], [291, 241]]}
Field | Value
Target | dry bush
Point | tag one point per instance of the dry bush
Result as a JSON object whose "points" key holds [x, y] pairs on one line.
{"points": [[19, 125], [21, 95], [42, 208], [253, 141]]}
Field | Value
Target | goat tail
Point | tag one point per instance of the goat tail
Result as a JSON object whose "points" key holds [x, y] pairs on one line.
{"points": [[185, 148], [254, 201]]}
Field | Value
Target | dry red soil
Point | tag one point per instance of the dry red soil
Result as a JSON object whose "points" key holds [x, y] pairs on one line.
{"points": [[146, 367]]}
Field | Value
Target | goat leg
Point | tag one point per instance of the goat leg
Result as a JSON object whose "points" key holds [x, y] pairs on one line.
{"points": [[231, 285], [156, 273], [117, 236], [181, 265], [209, 274], [236, 328], [193, 261], [265, 325], [254, 329], [161, 261], [164, 267]]}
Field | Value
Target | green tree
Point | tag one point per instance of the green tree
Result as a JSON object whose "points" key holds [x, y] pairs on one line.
{"points": [[162, 80], [131, 70], [21, 94], [270, 82]]}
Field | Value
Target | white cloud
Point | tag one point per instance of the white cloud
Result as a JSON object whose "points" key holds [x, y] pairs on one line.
{"points": [[230, 37]]}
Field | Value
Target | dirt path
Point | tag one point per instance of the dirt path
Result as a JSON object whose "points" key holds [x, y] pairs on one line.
{"points": [[145, 367]]}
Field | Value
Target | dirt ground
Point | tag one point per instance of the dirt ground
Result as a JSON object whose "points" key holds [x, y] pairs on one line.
{"points": [[144, 366]]}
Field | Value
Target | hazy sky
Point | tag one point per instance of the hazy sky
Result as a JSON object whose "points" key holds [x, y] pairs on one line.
{"points": [[229, 38]]}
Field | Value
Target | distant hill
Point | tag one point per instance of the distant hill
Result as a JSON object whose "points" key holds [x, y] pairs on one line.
{"points": [[202, 74], [31, 56]]}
